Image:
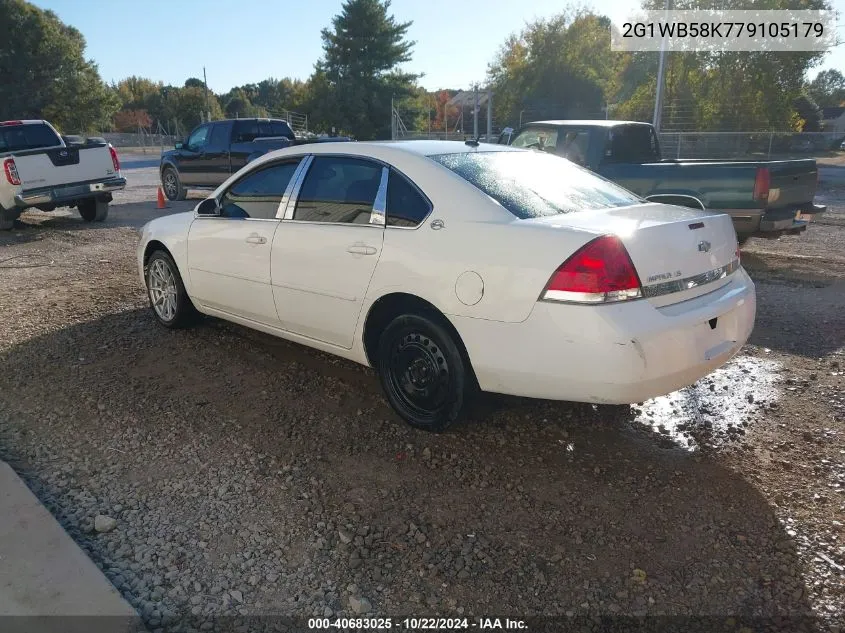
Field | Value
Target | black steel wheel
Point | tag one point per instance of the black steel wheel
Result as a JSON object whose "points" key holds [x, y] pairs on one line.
{"points": [[422, 372]]}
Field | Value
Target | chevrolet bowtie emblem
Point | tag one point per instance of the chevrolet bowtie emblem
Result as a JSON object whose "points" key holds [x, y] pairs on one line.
{"points": [[704, 246]]}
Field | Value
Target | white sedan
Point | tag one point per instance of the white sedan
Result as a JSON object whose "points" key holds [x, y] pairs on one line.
{"points": [[451, 266]]}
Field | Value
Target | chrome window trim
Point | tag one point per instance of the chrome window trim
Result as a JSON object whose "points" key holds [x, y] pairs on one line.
{"points": [[377, 216], [294, 194], [292, 185], [688, 283]]}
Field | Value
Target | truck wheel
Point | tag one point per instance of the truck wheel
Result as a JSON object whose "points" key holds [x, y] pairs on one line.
{"points": [[93, 210], [173, 188], [7, 219]]}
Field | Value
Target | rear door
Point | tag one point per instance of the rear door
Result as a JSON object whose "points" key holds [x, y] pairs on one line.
{"points": [[193, 167], [229, 256], [327, 248]]}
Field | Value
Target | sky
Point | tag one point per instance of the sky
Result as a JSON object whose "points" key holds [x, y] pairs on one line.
{"points": [[250, 40]]}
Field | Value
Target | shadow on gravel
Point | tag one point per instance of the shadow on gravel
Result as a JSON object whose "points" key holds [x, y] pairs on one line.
{"points": [[35, 225], [530, 507]]}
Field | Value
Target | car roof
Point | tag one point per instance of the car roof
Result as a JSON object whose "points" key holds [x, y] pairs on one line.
{"points": [[419, 147], [585, 122]]}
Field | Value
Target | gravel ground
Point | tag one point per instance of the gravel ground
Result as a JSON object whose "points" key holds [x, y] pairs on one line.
{"points": [[217, 474]]}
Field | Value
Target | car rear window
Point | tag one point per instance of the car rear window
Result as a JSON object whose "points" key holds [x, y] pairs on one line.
{"points": [[533, 184], [15, 138]]}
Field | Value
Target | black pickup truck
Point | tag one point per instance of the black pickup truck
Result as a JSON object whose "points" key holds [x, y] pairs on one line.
{"points": [[765, 198], [214, 151]]}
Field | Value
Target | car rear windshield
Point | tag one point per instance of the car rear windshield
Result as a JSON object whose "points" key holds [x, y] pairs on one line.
{"points": [[15, 138], [533, 184]]}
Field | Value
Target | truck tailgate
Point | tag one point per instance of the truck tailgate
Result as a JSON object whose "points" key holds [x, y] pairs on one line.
{"points": [[793, 182], [63, 165]]}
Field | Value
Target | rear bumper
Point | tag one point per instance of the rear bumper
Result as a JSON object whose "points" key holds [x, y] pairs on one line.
{"points": [[614, 354], [773, 223], [67, 193]]}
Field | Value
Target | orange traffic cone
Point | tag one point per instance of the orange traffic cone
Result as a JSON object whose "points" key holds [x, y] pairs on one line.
{"points": [[161, 204]]}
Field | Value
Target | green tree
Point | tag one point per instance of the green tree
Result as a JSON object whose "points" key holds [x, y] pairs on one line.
{"points": [[45, 74], [363, 51], [809, 114], [192, 107], [828, 88], [559, 67]]}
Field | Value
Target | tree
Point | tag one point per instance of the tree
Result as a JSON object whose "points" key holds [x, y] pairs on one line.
{"points": [[45, 74], [363, 50], [193, 82], [131, 120], [561, 67], [828, 88], [809, 114]]}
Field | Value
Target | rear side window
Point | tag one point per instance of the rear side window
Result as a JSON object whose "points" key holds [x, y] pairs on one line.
{"points": [[15, 138], [406, 206], [535, 184], [258, 195], [339, 190], [631, 144], [246, 131], [280, 128]]}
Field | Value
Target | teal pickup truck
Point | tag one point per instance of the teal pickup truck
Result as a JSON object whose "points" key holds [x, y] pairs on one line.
{"points": [[764, 198]]}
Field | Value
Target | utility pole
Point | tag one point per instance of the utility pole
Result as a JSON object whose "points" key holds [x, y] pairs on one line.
{"points": [[475, 113], [489, 114], [205, 82], [658, 97]]}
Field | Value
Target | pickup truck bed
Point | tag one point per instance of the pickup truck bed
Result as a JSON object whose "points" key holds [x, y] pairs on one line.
{"points": [[764, 198], [41, 170]]}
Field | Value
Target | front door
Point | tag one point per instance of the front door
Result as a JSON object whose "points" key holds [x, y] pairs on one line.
{"points": [[192, 157], [229, 255], [325, 254]]}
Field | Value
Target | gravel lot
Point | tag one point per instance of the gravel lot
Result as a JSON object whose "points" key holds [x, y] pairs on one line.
{"points": [[219, 473]]}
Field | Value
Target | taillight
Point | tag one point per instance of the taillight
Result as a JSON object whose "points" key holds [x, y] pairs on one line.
{"points": [[114, 159], [761, 184], [9, 123], [600, 272], [11, 171]]}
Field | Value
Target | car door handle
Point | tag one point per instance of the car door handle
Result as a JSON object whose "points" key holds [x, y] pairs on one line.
{"points": [[359, 248], [255, 238]]}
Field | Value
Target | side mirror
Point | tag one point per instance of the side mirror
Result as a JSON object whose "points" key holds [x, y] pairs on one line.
{"points": [[179, 145], [208, 207]]}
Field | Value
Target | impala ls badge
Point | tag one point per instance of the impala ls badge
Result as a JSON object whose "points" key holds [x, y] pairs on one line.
{"points": [[704, 246]]}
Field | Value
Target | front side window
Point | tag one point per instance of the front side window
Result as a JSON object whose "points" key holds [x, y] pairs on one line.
{"points": [[339, 190], [198, 138], [541, 138], [219, 138], [534, 184], [258, 194], [406, 206]]}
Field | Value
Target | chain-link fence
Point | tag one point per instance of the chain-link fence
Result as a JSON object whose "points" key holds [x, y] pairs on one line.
{"points": [[768, 145]]}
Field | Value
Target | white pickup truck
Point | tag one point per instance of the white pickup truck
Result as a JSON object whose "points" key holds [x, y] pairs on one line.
{"points": [[43, 170]]}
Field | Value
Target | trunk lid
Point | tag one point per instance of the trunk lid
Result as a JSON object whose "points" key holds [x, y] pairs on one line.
{"points": [[679, 253]]}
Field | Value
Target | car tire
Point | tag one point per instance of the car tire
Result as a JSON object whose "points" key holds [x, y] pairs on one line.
{"points": [[422, 371], [169, 300], [172, 184], [93, 210], [7, 220]]}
